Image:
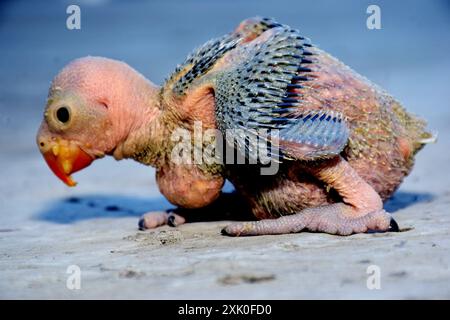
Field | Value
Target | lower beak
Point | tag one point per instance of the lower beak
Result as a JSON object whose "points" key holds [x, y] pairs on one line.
{"points": [[65, 158]]}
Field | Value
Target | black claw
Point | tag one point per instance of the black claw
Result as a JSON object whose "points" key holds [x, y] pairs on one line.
{"points": [[141, 224], [171, 220], [393, 226]]}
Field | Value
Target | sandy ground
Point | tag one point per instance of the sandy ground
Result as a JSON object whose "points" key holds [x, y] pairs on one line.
{"points": [[46, 227]]}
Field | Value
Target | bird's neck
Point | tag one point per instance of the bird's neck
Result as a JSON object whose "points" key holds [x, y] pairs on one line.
{"points": [[147, 134], [153, 121]]}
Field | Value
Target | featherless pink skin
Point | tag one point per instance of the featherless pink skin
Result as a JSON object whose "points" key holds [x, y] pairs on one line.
{"points": [[110, 106]]}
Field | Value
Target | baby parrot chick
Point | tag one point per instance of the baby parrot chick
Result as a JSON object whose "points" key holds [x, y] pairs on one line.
{"points": [[342, 145]]}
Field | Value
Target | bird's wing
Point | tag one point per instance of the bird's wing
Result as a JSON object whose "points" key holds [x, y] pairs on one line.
{"points": [[258, 100], [202, 60]]}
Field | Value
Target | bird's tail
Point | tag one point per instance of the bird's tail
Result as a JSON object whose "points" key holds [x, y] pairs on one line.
{"points": [[428, 137], [420, 135], [415, 128]]}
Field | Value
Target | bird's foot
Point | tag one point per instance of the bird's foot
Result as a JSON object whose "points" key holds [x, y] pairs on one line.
{"points": [[154, 219], [338, 219]]}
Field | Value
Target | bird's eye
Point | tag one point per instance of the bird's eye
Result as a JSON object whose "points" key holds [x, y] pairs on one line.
{"points": [[63, 114]]}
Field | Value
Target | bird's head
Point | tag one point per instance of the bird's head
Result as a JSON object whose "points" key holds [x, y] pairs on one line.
{"points": [[93, 106]]}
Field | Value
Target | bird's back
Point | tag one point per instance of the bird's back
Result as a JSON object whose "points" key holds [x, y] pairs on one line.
{"points": [[384, 137]]}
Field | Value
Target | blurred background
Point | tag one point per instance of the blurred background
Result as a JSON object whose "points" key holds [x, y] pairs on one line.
{"points": [[409, 57]]}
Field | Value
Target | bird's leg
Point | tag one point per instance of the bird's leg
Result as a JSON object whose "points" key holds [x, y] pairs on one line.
{"points": [[360, 211], [154, 219], [229, 206]]}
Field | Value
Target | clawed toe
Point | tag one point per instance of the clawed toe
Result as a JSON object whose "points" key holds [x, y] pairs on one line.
{"points": [[241, 229], [393, 226], [231, 230], [141, 224], [153, 220], [171, 220]]}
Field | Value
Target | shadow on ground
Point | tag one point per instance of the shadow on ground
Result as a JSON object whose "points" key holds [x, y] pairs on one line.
{"points": [[73, 209], [402, 199]]}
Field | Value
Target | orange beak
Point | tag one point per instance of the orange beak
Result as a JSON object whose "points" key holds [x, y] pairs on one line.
{"points": [[65, 158]]}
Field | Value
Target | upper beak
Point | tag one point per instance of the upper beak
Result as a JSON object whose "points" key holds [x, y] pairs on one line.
{"points": [[64, 158]]}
